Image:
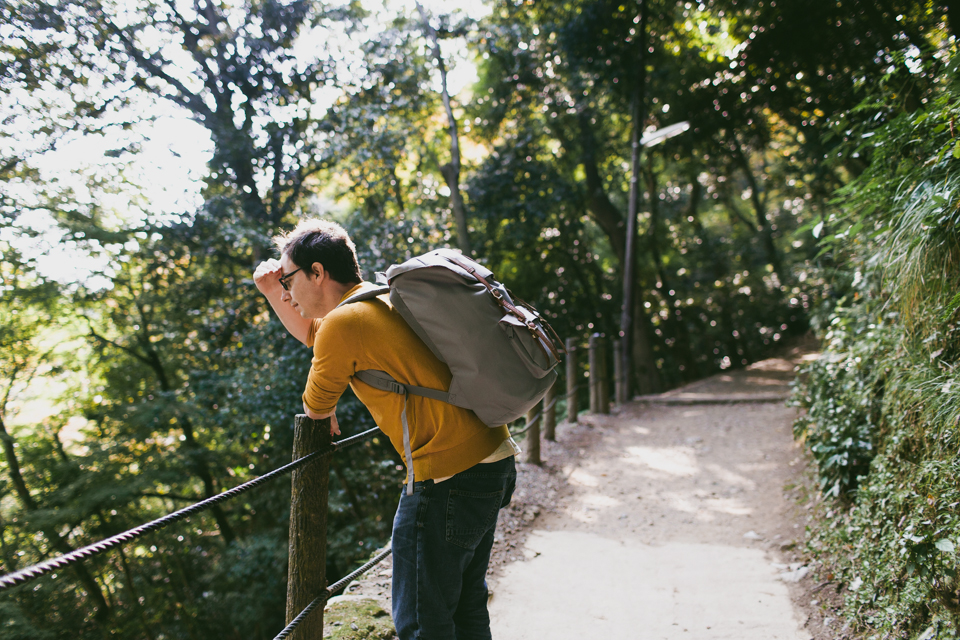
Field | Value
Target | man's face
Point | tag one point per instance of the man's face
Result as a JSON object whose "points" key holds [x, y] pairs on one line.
{"points": [[303, 291]]}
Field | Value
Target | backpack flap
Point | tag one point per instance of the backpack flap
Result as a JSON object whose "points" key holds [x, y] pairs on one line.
{"points": [[531, 343]]}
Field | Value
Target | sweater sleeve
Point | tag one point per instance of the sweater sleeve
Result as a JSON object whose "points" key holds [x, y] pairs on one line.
{"points": [[332, 366]]}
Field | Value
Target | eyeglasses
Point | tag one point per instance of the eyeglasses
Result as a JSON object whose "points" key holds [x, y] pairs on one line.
{"points": [[284, 279]]}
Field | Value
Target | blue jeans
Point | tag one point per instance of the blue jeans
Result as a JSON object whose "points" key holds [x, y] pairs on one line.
{"points": [[442, 536]]}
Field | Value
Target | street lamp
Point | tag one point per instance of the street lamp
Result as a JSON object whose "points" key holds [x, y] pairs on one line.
{"points": [[658, 136]]}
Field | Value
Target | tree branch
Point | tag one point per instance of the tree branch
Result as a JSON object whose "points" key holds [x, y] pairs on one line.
{"points": [[184, 97], [117, 345]]}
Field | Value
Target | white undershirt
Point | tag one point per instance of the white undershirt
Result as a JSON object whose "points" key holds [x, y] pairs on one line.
{"points": [[507, 448]]}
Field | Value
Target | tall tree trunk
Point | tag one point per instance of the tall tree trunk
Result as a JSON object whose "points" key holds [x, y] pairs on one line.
{"points": [[13, 468], [604, 212], [760, 210], [450, 171], [197, 459], [644, 360], [134, 599], [719, 269], [196, 454]]}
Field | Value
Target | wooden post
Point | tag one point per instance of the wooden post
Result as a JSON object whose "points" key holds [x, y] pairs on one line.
{"points": [[594, 363], [603, 387], [618, 394], [572, 381], [306, 575], [531, 441], [550, 414]]}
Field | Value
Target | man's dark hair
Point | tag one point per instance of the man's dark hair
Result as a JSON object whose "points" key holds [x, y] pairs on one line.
{"points": [[324, 242]]}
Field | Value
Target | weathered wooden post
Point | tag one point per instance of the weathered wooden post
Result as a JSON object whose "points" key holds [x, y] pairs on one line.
{"points": [[620, 389], [306, 575], [603, 386], [593, 363], [531, 441], [550, 414], [572, 380]]}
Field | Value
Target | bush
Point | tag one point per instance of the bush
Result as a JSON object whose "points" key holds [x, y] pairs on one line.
{"points": [[883, 402], [842, 396]]}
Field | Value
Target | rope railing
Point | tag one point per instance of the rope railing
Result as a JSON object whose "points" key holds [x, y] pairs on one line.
{"points": [[533, 420], [340, 445], [31, 573], [332, 590]]}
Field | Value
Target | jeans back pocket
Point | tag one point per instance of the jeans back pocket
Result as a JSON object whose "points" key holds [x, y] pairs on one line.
{"points": [[470, 515]]}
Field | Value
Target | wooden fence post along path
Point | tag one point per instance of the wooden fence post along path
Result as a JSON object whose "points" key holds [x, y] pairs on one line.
{"points": [[306, 575], [572, 380], [599, 386], [593, 363], [550, 413], [620, 389], [531, 442]]}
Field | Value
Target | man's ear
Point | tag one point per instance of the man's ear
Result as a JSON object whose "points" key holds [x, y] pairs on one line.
{"points": [[318, 271]]}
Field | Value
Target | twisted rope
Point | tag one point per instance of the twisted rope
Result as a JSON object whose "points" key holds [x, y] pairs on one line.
{"points": [[37, 570], [340, 445], [536, 417], [329, 593]]}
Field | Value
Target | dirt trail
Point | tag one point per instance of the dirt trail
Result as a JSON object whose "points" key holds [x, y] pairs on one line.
{"points": [[675, 523]]}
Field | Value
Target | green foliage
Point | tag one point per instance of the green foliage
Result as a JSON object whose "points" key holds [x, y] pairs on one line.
{"points": [[893, 542], [842, 393], [883, 419], [522, 200]]}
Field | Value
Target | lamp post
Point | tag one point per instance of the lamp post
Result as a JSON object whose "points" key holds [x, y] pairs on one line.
{"points": [[629, 260]]}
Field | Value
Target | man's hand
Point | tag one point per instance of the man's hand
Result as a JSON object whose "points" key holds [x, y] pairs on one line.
{"points": [[334, 425], [313, 415], [267, 277]]}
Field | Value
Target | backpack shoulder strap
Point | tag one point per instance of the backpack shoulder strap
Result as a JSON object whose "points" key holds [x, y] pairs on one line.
{"points": [[368, 294], [385, 382]]}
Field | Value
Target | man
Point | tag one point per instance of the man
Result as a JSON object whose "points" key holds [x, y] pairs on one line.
{"points": [[443, 532]]}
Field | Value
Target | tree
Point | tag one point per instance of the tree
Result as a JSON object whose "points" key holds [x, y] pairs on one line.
{"points": [[450, 170], [188, 377]]}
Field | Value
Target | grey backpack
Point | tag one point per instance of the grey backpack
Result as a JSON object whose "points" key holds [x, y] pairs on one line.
{"points": [[501, 353]]}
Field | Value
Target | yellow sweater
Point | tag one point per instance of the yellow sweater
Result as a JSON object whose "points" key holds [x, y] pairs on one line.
{"points": [[445, 439]]}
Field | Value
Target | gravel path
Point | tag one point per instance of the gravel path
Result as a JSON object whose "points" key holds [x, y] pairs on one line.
{"points": [[661, 521]]}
